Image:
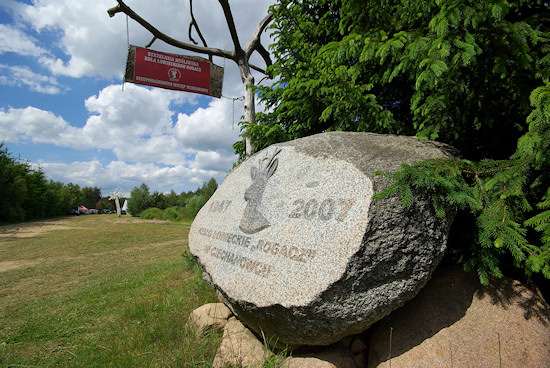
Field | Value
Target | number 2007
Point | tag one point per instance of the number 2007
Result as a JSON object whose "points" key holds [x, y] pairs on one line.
{"points": [[326, 210]]}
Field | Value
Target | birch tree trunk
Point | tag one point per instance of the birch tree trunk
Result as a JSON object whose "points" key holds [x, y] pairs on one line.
{"points": [[249, 109], [117, 203]]}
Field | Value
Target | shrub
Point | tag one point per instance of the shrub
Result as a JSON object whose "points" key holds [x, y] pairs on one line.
{"points": [[173, 214], [152, 213]]}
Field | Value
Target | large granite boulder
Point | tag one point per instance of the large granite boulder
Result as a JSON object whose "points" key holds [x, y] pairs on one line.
{"points": [[296, 247]]}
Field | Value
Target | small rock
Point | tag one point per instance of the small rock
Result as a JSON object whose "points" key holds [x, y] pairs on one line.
{"points": [[240, 348], [210, 316], [360, 360], [358, 345]]}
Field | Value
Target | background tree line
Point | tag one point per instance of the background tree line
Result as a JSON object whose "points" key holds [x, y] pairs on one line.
{"points": [[473, 74], [26, 194], [172, 206]]}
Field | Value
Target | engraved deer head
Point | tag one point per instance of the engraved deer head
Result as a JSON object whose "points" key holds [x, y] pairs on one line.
{"points": [[252, 220]]}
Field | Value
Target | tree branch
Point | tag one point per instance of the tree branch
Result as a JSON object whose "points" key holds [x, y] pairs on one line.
{"points": [[239, 56], [151, 42], [123, 8], [252, 45], [231, 25], [254, 40], [114, 10], [257, 68], [264, 53], [196, 25]]}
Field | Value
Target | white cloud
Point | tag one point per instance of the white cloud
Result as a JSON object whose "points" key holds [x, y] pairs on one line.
{"points": [[119, 174], [89, 173], [210, 129], [21, 75], [91, 43], [34, 125], [15, 40], [137, 126], [213, 160], [161, 178], [134, 112], [162, 149]]}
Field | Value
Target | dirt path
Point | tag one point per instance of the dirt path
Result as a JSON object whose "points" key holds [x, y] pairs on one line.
{"points": [[31, 229], [28, 230]]}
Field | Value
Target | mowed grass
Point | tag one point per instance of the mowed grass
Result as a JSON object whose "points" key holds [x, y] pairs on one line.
{"points": [[100, 291]]}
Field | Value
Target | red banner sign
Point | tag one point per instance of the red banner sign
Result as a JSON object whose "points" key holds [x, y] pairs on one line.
{"points": [[159, 69]]}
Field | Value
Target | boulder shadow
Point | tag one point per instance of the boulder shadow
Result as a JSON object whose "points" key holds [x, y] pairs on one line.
{"points": [[441, 303]]}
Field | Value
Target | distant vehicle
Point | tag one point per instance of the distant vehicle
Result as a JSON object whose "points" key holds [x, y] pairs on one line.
{"points": [[74, 212], [92, 211], [106, 212]]}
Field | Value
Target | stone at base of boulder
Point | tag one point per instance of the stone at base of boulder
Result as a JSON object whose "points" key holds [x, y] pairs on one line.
{"points": [[456, 322], [358, 345], [240, 348], [209, 316], [360, 359]]}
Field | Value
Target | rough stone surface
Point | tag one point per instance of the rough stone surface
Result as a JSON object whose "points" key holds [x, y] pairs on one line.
{"points": [[297, 249], [455, 322], [240, 348], [210, 316]]}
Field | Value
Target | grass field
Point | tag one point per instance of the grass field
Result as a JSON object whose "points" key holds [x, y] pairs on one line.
{"points": [[98, 291]]}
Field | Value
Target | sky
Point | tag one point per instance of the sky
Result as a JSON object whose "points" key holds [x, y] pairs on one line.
{"points": [[65, 109]]}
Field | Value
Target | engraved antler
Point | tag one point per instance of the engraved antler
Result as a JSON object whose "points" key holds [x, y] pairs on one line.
{"points": [[266, 166], [272, 163]]}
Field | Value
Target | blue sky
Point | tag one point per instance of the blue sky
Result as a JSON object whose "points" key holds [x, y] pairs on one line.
{"points": [[63, 108]]}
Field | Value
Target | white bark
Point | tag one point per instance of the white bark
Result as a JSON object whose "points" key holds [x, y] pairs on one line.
{"points": [[117, 203], [249, 110]]}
